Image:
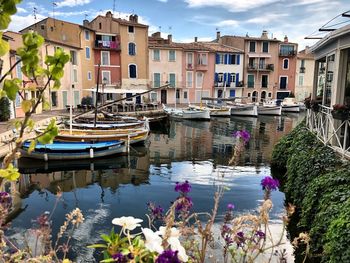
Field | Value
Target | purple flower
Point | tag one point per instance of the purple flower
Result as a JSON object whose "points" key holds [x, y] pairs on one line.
{"points": [[183, 187], [120, 258], [243, 134], [240, 239], [156, 212], [184, 204], [270, 184], [5, 200], [260, 234], [168, 256], [230, 207]]}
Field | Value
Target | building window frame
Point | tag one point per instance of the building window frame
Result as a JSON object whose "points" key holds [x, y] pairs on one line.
{"points": [[87, 35], [89, 75], [132, 49], [87, 53], [285, 60], [201, 78], [103, 74], [131, 29], [129, 70], [262, 46], [170, 59], [250, 46], [267, 81], [250, 82], [188, 62], [156, 85], [189, 84], [279, 86], [108, 58], [154, 55]]}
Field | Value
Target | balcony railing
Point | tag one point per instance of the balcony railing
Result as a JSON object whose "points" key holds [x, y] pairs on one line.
{"points": [[302, 70], [176, 84], [115, 45], [287, 53], [261, 67], [331, 132], [220, 84]]}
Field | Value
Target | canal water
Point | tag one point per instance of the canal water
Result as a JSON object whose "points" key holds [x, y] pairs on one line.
{"points": [[121, 186]]}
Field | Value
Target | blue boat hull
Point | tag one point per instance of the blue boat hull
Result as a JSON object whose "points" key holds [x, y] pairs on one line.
{"points": [[73, 151]]}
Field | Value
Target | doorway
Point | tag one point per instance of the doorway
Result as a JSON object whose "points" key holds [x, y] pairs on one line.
{"points": [[163, 96]]}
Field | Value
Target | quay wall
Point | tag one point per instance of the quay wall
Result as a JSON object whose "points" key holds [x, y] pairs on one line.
{"points": [[316, 181]]}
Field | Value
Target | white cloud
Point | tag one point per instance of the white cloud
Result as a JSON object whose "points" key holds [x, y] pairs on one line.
{"points": [[226, 23], [190, 40], [73, 13], [21, 22], [71, 3], [265, 19], [231, 5], [21, 10], [305, 2], [163, 1]]}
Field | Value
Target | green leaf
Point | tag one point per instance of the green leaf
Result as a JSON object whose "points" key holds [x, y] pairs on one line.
{"points": [[49, 134], [10, 173], [30, 124], [5, 20], [11, 87], [4, 46], [106, 238], [108, 260], [26, 105], [32, 146], [97, 246]]}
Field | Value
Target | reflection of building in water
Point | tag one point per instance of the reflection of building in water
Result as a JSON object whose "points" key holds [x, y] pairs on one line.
{"points": [[187, 140]]}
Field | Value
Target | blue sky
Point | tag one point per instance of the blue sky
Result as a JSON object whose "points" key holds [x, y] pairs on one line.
{"points": [[185, 19]]}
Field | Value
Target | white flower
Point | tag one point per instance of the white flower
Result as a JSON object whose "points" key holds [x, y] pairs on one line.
{"points": [[153, 241], [174, 242], [127, 222]]}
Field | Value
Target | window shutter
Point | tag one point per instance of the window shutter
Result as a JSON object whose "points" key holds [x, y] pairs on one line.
{"points": [[228, 78], [216, 77], [217, 59], [238, 58], [237, 79]]}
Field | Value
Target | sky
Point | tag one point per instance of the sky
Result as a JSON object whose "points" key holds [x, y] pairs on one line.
{"points": [[186, 19]]}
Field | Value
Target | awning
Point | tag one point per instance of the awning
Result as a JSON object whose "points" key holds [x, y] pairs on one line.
{"points": [[117, 91]]}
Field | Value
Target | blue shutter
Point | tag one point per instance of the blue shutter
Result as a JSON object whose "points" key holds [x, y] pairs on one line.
{"points": [[237, 79], [232, 93], [225, 77], [225, 59], [228, 78], [216, 77], [238, 58], [229, 59], [217, 59]]}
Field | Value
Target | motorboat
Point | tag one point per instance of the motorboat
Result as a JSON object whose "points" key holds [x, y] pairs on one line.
{"points": [[290, 105], [270, 108], [244, 109], [190, 113]]}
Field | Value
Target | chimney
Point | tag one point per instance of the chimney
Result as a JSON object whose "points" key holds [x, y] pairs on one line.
{"points": [[85, 22], [217, 35], [285, 39], [156, 35], [109, 14], [170, 38], [134, 18], [264, 34], [195, 39]]}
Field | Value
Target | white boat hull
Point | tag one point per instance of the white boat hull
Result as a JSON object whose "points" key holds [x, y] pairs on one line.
{"points": [[244, 110], [188, 114], [290, 108], [270, 110], [226, 112]]}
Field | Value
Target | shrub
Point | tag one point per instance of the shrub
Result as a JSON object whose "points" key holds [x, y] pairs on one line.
{"points": [[4, 109], [337, 247], [87, 100]]}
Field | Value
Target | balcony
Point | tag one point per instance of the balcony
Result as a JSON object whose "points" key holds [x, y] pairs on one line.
{"points": [[202, 67], [331, 132], [172, 85], [302, 70], [260, 67], [108, 45], [289, 53], [222, 84]]}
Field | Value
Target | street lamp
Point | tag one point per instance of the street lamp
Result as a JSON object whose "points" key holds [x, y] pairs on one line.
{"points": [[104, 82]]}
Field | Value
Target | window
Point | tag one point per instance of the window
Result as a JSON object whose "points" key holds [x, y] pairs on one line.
{"points": [[252, 46], [87, 34], [220, 77], [105, 58], [132, 49], [287, 50], [199, 80], [87, 52], [202, 59], [54, 98], [42, 27], [18, 68], [156, 54], [189, 57], [132, 71], [172, 80], [75, 75], [51, 28], [156, 80], [233, 59], [265, 47], [89, 75], [100, 25], [106, 77], [172, 55], [185, 94], [131, 29], [262, 63], [64, 38], [301, 80], [222, 59], [283, 82], [331, 57], [233, 77], [73, 57], [269, 95], [250, 81], [302, 63], [285, 63], [189, 79], [264, 81], [153, 96]]}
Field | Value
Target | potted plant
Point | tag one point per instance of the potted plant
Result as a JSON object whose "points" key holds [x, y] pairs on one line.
{"points": [[314, 105], [307, 103], [340, 112]]}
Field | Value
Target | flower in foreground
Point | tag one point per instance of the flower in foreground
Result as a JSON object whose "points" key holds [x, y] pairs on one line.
{"points": [[153, 241], [127, 222], [168, 256], [183, 187], [243, 134], [174, 242], [230, 207], [270, 184]]}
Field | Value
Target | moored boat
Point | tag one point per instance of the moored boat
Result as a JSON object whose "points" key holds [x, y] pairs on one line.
{"points": [[190, 113], [290, 105], [270, 108], [73, 150], [239, 109]]}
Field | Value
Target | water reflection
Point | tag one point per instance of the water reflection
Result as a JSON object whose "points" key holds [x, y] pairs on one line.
{"points": [[116, 186]]}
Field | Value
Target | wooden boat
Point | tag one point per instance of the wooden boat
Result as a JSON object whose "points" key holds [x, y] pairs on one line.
{"points": [[240, 109], [189, 113], [270, 108], [73, 150], [109, 126], [290, 105], [219, 110]]}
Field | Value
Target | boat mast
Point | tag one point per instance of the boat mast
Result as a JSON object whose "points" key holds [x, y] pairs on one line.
{"points": [[98, 80]]}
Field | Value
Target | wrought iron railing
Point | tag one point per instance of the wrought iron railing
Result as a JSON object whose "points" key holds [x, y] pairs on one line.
{"points": [[332, 132]]}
